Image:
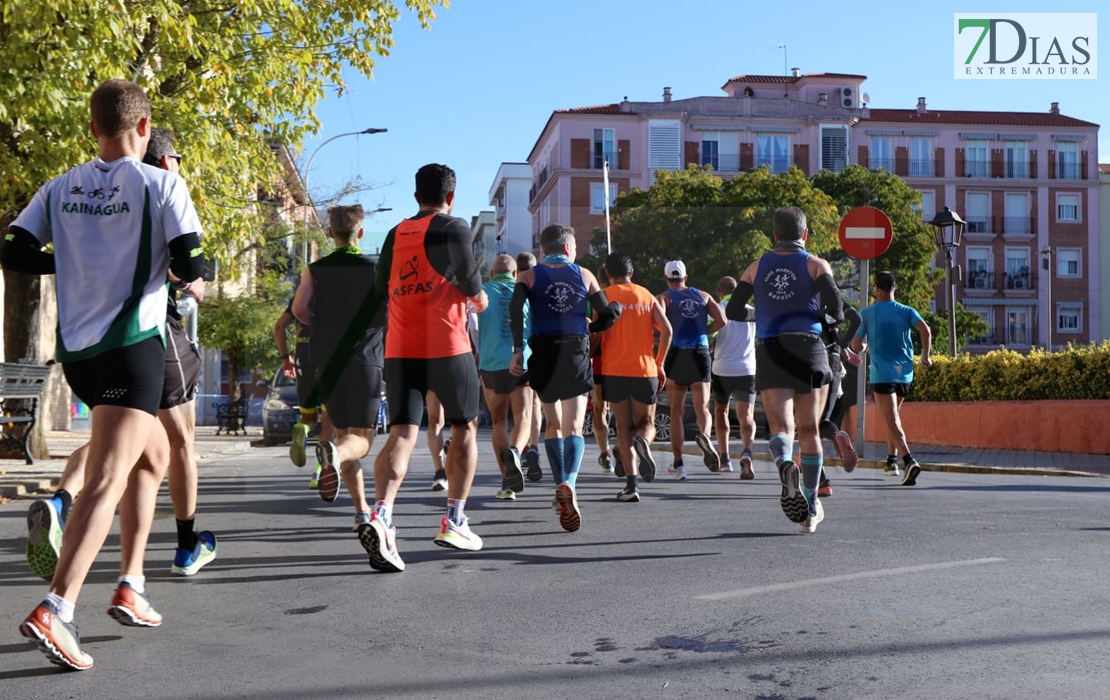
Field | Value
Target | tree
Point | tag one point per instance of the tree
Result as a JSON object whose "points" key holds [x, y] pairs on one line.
{"points": [[968, 325]]}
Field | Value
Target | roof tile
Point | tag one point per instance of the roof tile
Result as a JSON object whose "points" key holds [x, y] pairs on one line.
{"points": [[912, 116]]}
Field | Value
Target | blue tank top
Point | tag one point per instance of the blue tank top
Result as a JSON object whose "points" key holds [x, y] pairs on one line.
{"points": [[689, 319], [558, 301], [785, 296]]}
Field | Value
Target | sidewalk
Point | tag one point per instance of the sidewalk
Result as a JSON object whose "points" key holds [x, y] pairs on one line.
{"points": [[18, 478]]}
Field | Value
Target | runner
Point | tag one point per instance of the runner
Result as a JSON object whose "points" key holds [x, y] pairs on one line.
{"points": [[336, 298], [557, 292], [109, 214], [734, 378], [599, 420], [632, 372], [836, 341], [429, 272], [794, 293], [688, 365], [533, 470], [176, 412], [437, 444], [886, 327], [502, 388]]}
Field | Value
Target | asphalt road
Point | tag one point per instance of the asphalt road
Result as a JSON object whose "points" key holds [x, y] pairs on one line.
{"points": [[966, 586]]}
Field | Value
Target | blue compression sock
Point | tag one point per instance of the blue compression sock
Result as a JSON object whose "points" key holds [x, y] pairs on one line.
{"points": [[573, 447], [780, 446], [554, 448]]}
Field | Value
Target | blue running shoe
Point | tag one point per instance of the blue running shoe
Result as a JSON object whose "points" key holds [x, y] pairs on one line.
{"points": [[186, 563]]}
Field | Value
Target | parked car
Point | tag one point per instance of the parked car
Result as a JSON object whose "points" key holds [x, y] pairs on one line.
{"points": [[280, 410], [690, 421]]}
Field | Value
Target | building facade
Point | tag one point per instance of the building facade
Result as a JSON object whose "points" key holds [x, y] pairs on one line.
{"points": [[1027, 183], [509, 197]]}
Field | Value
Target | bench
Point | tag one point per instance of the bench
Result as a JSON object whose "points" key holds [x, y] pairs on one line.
{"points": [[231, 418], [21, 385]]}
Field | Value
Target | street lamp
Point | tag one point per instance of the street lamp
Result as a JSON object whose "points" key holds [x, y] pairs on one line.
{"points": [[308, 168], [949, 232]]}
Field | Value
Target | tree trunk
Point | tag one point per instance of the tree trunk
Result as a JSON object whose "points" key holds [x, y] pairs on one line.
{"points": [[232, 377]]}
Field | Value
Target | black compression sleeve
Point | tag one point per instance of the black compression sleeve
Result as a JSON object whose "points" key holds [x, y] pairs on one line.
{"points": [[737, 309], [385, 265], [186, 257], [832, 306], [460, 249], [22, 252], [516, 314], [607, 312]]}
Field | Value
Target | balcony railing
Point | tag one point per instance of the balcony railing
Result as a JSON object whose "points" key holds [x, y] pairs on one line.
{"points": [[981, 279], [599, 158], [1067, 171], [779, 164], [728, 162], [1017, 225], [921, 168], [1017, 169], [978, 224], [1019, 281], [886, 164], [977, 167]]}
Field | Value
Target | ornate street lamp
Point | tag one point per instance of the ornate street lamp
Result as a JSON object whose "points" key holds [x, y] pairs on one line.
{"points": [[949, 230]]}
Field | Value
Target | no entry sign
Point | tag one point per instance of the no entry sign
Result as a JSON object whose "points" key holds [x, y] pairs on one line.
{"points": [[865, 233]]}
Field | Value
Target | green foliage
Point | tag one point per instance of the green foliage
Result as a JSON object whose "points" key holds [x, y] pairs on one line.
{"points": [[968, 325], [1079, 372]]}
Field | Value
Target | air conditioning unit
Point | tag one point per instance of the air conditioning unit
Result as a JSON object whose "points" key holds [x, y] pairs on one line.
{"points": [[849, 97]]}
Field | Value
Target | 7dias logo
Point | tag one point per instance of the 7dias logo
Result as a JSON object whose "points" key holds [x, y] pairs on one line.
{"points": [[1035, 46]]}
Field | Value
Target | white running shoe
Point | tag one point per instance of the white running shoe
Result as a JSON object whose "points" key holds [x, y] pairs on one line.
{"points": [[678, 472], [455, 536], [810, 523]]}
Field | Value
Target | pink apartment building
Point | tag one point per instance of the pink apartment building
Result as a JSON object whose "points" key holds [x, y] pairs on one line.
{"points": [[1027, 183]]}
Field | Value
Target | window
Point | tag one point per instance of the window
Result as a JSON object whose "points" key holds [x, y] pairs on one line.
{"points": [[921, 157], [979, 267], [1017, 269], [1067, 160], [978, 212], [774, 151], [710, 154], [1067, 207], [597, 197], [1017, 163], [880, 154], [604, 149], [928, 206], [1069, 262], [1017, 220], [545, 213], [977, 164], [988, 337], [1069, 317], [834, 148], [664, 145], [1017, 326]]}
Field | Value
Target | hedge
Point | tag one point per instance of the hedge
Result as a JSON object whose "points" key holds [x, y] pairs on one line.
{"points": [[1078, 372]]}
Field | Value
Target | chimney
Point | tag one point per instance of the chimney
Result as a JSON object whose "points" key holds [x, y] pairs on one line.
{"points": [[666, 94], [796, 72], [1055, 108], [822, 98], [921, 105]]}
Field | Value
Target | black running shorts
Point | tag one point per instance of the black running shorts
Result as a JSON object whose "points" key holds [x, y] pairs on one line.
{"points": [[306, 378], [354, 400], [560, 366], [640, 389], [129, 377], [501, 381], [797, 361], [741, 388], [454, 380], [182, 367], [686, 366], [902, 389]]}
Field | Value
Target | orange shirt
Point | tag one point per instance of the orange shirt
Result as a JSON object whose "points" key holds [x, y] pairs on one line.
{"points": [[627, 349], [427, 314]]}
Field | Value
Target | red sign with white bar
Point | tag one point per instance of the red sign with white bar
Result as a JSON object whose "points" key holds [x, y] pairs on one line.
{"points": [[865, 233]]}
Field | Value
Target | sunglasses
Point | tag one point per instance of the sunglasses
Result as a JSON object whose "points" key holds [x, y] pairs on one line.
{"points": [[176, 157]]}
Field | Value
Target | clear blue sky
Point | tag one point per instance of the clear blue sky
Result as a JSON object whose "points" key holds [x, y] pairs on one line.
{"points": [[477, 89]]}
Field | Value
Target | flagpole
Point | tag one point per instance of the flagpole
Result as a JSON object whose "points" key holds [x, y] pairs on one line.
{"points": [[605, 187]]}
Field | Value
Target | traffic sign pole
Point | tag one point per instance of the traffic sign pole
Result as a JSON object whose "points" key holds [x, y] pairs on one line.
{"points": [[861, 375]]}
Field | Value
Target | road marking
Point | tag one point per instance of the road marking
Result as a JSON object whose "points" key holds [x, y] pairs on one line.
{"points": [[870, 232], [900, 571]]}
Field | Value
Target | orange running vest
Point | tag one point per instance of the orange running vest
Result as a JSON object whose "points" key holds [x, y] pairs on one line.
{"points": [[627, 348], [427, 314]]}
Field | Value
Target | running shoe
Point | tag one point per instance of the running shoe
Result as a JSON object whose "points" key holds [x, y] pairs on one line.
{"points": [[532, 460], [443, 452], [380, 542], [793, 501], [514, 475], [912, 470], [187, 563], [458, 536], [809, 525], [629, 496], [569, 516], [891, 469], [726, 465], [678, 471], [824, 490], [439, 482], [44, 538], [647, 462], [505, 494], [328, 455], [297, 453], [747, 472], [314, 482], [555, 504], [849, 458], [361, 518], [709, 454], [618, 463], [58, 640], [605, 461], [133, 609]]}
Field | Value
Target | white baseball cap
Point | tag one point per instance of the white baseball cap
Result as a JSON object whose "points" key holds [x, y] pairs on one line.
{"points": [[674, 270]]}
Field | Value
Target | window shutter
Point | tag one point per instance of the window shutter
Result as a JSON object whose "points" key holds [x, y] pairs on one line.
{"points": [[664, 145], [834, 148]]}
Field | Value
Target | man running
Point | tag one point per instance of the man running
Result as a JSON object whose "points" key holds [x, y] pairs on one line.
{"points": [[557, 292], [533, 470], [599, 418], [112, 213], [734, 378], [886, 327], [428, 273], [688, 365], [336, 298], [794, 293], [836, 340], [631, 371], [503, 389]]}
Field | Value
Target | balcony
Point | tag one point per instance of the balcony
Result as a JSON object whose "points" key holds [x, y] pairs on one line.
{"points": [[538, 185], [978, 224], [780, 164], [921, 168], [728, 162], [984, 280], [1067, 171], [597, 160], [1022, 281], [1016, 169], [886, 164], [1017, 226], [978, 167]]}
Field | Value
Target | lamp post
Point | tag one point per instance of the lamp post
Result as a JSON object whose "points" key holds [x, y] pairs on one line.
{"points": [[1050, 314], [308, 168], [949, 232]]}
